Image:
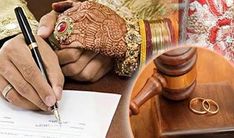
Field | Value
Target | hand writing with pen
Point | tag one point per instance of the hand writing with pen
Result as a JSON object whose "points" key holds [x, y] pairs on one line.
{"points": [[21, 82]]}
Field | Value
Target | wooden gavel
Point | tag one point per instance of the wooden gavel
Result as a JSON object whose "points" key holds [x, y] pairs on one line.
{"points": [[174, 78]]}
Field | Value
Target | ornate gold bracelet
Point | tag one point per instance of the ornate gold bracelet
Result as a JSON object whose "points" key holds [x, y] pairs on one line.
{"points": [[129, 64]]}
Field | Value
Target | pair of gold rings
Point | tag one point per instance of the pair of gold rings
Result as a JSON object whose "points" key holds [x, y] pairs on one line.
{"points": [[203, 106]]}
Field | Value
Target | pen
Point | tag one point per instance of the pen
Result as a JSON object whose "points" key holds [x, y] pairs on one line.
{"points": [[31, 42]]}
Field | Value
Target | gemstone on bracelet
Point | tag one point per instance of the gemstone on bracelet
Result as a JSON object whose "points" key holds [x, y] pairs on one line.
{"points": [[62, 27]]}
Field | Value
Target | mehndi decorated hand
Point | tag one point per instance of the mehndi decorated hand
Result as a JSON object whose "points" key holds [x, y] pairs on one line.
{"points": [[76, 63], [92, 26]]}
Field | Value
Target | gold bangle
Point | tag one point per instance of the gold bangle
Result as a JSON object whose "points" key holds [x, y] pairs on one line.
{"points": [[164, 35], [183, 81], [161, 43], [208, 109], [153, 39], [161, 38], [158, 36], [143, 43], [201, 111], [161, 46]]}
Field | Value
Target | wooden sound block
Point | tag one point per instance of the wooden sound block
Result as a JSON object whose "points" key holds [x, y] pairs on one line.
{"points": [[174, 119]]}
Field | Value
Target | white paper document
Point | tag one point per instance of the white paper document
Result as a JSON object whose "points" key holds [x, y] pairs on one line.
{"points": [[83, 115]]}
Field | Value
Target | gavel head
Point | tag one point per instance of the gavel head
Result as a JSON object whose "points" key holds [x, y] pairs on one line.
{"points": [[178, 67], [174, 78]]}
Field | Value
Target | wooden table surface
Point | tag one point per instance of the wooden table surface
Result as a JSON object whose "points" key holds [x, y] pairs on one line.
{"points": [[120, 126], [211, 68]]}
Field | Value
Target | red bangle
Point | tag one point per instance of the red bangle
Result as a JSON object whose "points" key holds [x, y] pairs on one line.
{"points": [[149, 49]]}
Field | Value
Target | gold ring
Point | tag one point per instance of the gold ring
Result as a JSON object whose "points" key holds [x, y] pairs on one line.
{"points": [[195, 101], [210, 102], [32, 46], [6, 90]]}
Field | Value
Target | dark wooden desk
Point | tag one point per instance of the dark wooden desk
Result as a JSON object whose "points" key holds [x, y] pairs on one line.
{"points": [[120, 127]]}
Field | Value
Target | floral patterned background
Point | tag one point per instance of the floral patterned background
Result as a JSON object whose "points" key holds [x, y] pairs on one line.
{"points": [[210, 23]]}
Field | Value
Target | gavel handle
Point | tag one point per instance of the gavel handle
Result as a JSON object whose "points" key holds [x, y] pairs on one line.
{"points": [[152, 87]]}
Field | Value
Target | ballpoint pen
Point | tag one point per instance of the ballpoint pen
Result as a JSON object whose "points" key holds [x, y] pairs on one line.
{"points": [[31, 42]]}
